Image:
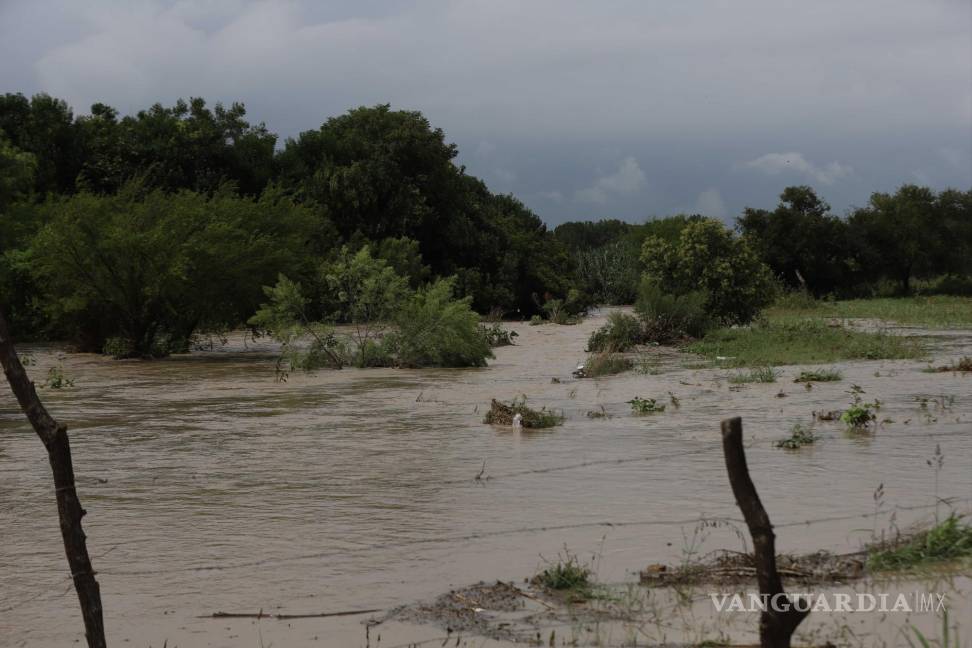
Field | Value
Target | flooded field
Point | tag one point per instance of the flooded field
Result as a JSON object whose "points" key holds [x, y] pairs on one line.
{"points": [[211, 487]]}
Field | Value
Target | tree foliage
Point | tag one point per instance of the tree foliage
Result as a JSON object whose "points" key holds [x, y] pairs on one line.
{"points": [[710, 259], [151, 268], [803, 244]]}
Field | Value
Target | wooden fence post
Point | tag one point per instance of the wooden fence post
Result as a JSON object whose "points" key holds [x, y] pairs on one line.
{"points": [[54, 437], [779, 619]]}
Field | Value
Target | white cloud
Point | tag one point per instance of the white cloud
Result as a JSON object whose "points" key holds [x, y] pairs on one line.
{"points": [[628, 179], [793, 162], [710, 203]]}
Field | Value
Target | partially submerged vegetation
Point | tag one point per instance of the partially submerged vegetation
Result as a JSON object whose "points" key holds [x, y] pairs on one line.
{"points": [[605, 364], [819, 375], [963, 364], [502, 414], [620, 333], [799, 436], [566, 576], [756, 375], [646, 405], [860, 415], [950, 539], [946, 541], [775, 342], [391, 324], [497, 335]]}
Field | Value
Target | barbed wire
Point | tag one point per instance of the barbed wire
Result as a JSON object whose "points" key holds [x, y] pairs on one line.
{"points": [[481, 535], [222, 566]]}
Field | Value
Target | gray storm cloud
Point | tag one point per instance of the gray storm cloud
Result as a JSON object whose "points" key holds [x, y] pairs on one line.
{"points": [[620, 109]]}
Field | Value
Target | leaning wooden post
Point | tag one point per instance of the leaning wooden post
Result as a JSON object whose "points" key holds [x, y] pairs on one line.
{"points": [[54, 437], [779, 618]]}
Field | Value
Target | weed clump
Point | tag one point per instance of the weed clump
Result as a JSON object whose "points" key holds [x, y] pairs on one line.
{"points": [[569, 576], [819, 375], [859, 415], [646, 405], [963, 364], [497, 336], [948, 540], [757, 375], [605, 364], [799, 436], [502, 414], [57, 379]]}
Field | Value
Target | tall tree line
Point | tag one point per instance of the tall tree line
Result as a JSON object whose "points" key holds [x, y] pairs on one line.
{"points": [[159, 224], [898, 242]]}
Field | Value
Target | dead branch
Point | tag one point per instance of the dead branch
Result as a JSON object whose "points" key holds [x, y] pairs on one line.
{"points": [[55, 439], [775, 625]]}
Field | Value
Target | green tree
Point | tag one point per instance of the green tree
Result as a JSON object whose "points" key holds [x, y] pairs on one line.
{"points": [[385, 173], [581, 236], [710, 259], [365, 292], [901, 237], [802, 243], [18, 223], [149, 269]]}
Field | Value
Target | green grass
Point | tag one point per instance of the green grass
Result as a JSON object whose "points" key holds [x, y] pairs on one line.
{"points": [[938, 311], [757, 375], [787, 342], [948, 540], [819, 375]]}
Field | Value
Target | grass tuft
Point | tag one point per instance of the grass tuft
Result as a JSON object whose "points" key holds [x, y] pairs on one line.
{"points": [[568, 576], [949, 540], [606, 364], [962, 364], [799, 436], [757, 375], [646, 405], [819, 375]]}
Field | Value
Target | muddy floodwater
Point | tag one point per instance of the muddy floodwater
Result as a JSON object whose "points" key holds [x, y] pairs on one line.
{"points": [[211, 487]]}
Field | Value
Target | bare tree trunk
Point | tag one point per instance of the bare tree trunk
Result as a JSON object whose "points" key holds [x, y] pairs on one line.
{"points": [[55, 439], [775, 625]]}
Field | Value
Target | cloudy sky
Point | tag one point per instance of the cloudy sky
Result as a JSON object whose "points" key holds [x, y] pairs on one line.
{"points": [[583, 109]]}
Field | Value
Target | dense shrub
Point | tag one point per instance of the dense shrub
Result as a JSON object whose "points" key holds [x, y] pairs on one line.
{"points": [[710, 260], [666, 317], [434, 329], [621, 332], [567, 310], [604, 364]]}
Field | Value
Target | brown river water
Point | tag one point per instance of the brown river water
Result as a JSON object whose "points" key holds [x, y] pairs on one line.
{"points": [[211, 487]]}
